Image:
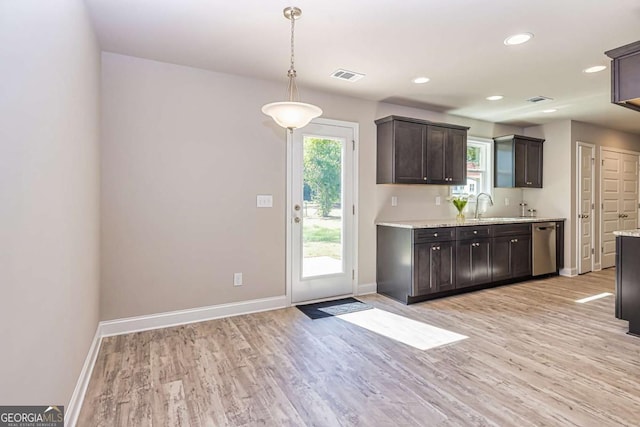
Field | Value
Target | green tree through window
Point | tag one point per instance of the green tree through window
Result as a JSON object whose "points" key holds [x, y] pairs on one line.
{"points": [[323, 172]]}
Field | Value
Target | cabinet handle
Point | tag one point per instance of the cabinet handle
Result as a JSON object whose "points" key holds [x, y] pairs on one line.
{"points": [[425, 178], [529, 183], [434, 248], [475, 231], [435, 234], [438, 247], [514, 240]]}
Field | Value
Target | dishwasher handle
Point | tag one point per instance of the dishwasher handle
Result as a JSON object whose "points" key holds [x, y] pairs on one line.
{"points": [[545, 227]]}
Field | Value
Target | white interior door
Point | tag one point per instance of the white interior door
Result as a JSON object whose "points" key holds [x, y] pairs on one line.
{"points": [[586, 161], [619, 199], [322, 203]]}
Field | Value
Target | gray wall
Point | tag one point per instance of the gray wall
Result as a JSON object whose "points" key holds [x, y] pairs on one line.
{"points": [[559, 193], [185, 152], [50, 68], [601, 138]]}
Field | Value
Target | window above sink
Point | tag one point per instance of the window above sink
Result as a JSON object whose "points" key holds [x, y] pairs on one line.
{"points": [[479, 169]]}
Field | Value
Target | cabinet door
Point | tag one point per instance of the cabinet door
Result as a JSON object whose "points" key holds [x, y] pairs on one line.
{"points": [[473, 262], [456, 157], [501, 258], [443, 266], [409, 152], [534, 164], [434, 267], [435, 166], [481, 262], [464, 263], [423, 258], [521, 256], [520, 162]]}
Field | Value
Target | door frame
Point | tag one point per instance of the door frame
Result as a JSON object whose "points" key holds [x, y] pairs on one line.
{"points": [[578, 210], [601, 209], [289, 206]]}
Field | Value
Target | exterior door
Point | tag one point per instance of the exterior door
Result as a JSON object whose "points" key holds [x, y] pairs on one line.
{"points": [[586, 160], [322, 204], [619, 199]]}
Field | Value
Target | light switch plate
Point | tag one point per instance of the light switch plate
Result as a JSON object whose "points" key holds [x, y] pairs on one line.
{"points": [[264, 201]]}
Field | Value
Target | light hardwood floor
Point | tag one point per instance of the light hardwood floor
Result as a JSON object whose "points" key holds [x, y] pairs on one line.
{"points": [[534, 357]]}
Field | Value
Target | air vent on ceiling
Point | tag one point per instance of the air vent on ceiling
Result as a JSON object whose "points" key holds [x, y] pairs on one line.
{"points": [[350, 76], [539, 98]]}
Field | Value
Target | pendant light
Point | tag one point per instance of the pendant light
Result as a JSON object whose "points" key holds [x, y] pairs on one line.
{"points": [[292, 114]]}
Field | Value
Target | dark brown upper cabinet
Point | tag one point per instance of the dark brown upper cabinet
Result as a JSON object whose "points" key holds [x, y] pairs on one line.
{"points": [[413, 151], [517, 161], [625, 75]]}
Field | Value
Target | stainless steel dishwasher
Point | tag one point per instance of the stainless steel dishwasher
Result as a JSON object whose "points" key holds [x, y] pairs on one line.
{"points": [[544, 248]]}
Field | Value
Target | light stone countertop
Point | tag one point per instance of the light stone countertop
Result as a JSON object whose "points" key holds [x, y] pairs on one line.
{"points": [[628, 233], [434, 223]]}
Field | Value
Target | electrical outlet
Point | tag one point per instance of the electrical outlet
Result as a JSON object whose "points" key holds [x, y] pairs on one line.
{"points": [[438, 200], [394, 201], [237, 279], [506, 201]]}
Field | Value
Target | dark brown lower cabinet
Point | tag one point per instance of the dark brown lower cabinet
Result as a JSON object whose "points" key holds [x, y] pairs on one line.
{"points": [[434, 267], [473, 262], [511, 257]]}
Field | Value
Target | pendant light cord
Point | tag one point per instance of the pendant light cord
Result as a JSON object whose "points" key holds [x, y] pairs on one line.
{"points": [[292, 88]]}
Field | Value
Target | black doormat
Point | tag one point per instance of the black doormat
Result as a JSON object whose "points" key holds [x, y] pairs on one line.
{"points": [[333, 308]]}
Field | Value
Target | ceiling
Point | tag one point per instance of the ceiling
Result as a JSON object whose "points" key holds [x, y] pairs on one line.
{"points": [[458, 44]]}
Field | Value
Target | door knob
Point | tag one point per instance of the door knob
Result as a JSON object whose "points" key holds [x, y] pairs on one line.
{"points": [[296, 207], [296, 220]]}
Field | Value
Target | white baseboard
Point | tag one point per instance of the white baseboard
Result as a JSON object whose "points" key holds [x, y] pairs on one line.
{"points": [[569, 272], [367, 288], [182, 317], [75, 404]]}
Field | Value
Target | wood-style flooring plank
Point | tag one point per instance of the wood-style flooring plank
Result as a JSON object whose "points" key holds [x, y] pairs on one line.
{"points": [[533, 357]]}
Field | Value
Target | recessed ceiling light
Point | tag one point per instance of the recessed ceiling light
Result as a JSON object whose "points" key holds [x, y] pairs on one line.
{"points": [[421, 80], [594, 69], [494, 97], [550, 110], [518, 39]]}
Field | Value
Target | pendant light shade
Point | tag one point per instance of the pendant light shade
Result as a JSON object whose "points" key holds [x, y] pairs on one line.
{"points": [[292, 114]]}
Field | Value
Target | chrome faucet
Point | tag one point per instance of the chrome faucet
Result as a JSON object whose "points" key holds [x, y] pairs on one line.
{"points": [[478, 202]]}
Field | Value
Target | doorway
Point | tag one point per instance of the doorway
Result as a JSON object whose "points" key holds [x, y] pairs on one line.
{"points": [[619, 193], [585, 206], [321, 218]]}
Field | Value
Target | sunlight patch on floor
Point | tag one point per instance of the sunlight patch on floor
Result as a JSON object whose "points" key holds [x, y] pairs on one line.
{"points": [[407, 331], [594, 297]]}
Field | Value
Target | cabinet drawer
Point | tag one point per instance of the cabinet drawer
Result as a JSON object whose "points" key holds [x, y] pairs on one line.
{"points": [[424, 235], [472, 232], [510, 229]]}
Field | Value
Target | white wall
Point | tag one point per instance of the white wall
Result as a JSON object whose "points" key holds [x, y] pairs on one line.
{"points": [[185, 152], [49, 63]]}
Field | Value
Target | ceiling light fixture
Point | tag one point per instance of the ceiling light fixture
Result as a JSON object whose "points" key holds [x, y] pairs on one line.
{"points": [[518, 39], [494, 97], [550, 110], [421, 80], [292, 114], [594, 69]]}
